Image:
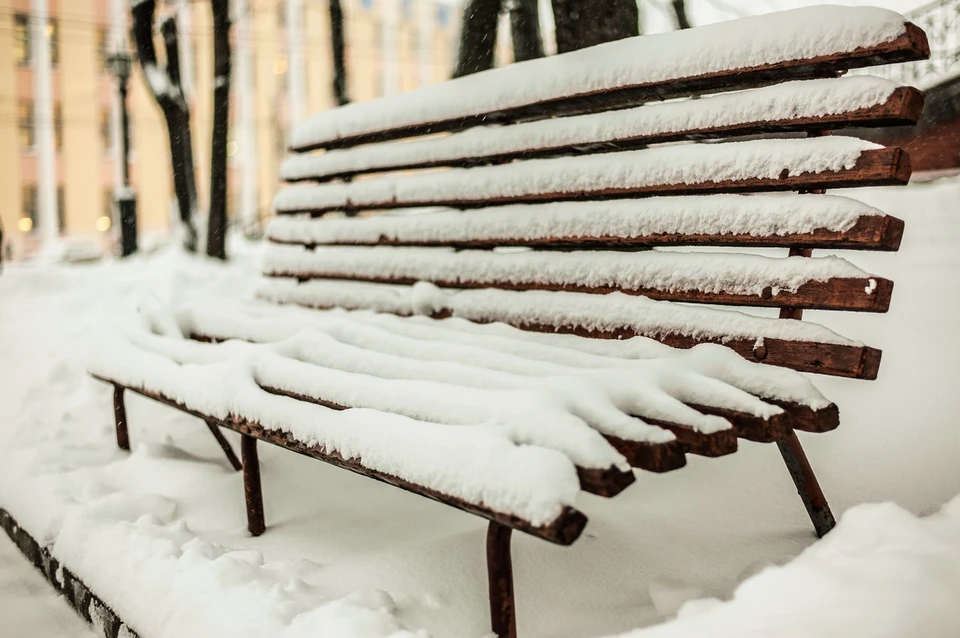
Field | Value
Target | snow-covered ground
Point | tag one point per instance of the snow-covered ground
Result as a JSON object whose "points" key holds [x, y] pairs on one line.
{"points": [[160, 533], [28, 605]]}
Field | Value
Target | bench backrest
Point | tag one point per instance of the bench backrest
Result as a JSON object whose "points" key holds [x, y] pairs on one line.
{"points": [[567, 183]]}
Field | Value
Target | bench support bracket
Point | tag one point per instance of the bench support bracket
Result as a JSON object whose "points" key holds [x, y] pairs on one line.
{"points": [[503, 617], [120, 415], [224, 445], [807, 485], [251, 485]]}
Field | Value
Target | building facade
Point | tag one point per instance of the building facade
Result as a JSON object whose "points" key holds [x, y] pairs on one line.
{"points": [[282, 71]]}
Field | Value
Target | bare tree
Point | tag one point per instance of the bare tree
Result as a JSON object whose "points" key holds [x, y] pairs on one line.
{"points": [[584, 23], [339, 54], [478, 37], [525, 29], [164, 84], [217, 219], [680, 10]]}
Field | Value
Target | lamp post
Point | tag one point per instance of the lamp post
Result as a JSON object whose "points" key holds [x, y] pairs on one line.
{"points": [[126, 201]]}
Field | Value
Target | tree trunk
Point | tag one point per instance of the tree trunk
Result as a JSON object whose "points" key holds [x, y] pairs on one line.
{"points": [[525, 29], [339, 54], [680, 10], [584, 23], [164, 84], [478, 37], [217, 219]]}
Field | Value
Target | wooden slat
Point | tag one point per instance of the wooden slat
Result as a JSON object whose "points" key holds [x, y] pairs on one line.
{"points": [[874, 232], [912, 45], [564, 530], [600, 481], [848, 293], [875, 167], [839, 360], [903, 107]]}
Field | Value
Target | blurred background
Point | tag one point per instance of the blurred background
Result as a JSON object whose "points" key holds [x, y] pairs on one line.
{"points": [[283, 71]]}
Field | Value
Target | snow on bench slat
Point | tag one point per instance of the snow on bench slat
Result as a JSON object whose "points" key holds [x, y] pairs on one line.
{"points": [[477, 464], [774, 104], [665, 165], [602, 313], [350, 363], [750, 42], [755, 215], [541, 404], [495, 349], [738, 274], [313, 364]]}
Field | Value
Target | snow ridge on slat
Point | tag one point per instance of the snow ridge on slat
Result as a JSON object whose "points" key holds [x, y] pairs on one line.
{"points": [[570, 177], [848, 100], [713, 215], [838, 37], [669, 272]]}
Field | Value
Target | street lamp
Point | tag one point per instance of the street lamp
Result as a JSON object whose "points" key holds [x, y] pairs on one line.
{"points": [[120, 64]]}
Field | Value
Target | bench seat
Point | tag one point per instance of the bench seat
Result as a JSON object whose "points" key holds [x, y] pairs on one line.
{"points": [[519, 407]]}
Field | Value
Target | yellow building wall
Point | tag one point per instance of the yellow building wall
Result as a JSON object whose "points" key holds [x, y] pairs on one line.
{"points": [[10, 194], [80, 108]]}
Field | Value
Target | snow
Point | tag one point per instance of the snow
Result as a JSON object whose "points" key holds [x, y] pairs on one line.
{"points": [[755, 215], [28, 605], [663, 165], [883, 572], [491, 349], [602, 313], [669, 272], [162, 529], [748, 42], [778, 103], [477, 464]]}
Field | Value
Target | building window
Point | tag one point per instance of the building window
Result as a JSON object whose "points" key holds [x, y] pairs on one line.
{"points": [[21, 39], [407, 9], [57, 127], [28, 216], [53, 35], [108, 203], [443, 15], [61, 210], [103, 51], [366, 4], [105, 129], [25, 125]]}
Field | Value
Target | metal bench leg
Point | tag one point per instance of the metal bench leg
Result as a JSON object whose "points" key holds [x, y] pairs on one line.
{"points": [[120, 415], [807, 485], [251, 485], [224, 445], [503, 617]]}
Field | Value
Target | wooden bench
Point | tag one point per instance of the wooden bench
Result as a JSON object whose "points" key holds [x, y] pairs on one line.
{"points": [[556, 214]]}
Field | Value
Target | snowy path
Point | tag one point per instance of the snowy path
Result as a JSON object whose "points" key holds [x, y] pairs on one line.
{"points": [[29, 607]]}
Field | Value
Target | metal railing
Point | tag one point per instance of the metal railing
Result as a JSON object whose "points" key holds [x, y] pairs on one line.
{"points": [[941, 21]]}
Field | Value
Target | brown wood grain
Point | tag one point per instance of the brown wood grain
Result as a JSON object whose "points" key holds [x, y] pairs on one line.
{"points": [[876, 232], [875, 167], [912, 45], [903, 107], [564, 530], [834, 294]]}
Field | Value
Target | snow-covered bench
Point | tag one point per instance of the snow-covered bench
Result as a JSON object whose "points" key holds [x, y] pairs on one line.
{"points": [[546, 224]]}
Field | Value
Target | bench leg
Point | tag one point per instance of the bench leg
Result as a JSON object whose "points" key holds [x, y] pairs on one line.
{"points": [[503, 617], [120, 415], [251, 485], [807, 485], [224, 445]]}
